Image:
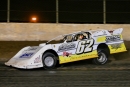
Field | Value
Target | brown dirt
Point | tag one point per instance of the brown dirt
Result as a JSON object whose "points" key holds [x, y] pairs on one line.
{"points": [[9, 48]]}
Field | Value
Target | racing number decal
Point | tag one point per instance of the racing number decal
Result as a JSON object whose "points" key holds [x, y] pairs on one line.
{"points": [[89, 46], [85, 46]]}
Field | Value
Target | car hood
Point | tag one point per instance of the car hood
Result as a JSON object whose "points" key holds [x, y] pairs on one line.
{"points": [[21, 59]]}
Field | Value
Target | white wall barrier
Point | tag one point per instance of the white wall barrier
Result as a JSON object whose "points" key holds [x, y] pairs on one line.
{"points": [[47, 31]]}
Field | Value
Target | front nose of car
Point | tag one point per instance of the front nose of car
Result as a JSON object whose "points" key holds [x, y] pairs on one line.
{"points": [[17, 63]]}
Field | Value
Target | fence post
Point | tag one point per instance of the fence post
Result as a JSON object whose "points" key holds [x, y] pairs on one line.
{"points": [[104, 11], [8, 11], [57, 11]]}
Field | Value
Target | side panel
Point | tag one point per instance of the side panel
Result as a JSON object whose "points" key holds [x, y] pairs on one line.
{"points": [[117, 47], [115, 43], [77, 50], [75, 57]]}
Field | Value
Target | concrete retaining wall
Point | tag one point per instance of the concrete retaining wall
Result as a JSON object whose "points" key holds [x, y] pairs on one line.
{"points": [[45, 31]]}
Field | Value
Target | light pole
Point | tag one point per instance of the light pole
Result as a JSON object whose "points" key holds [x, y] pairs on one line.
{"points": [[8, 11]]}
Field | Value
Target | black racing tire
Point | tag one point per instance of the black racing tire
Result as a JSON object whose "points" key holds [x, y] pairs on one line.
{"points": [[49, 60], [102, 57]]}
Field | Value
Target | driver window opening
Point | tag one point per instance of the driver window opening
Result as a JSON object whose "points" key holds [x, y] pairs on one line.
{"points": [[81, 36], [68, 38]]}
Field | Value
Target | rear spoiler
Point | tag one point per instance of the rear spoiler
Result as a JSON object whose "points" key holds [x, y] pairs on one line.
{"points": [[117, 31]]}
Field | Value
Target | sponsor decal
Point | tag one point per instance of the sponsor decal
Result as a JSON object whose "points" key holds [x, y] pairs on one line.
{"points": [[113, 38], [66, 46], [66, 54], [26, 55], [116, 46], [37, 60], [32, 48], [76, 57]]}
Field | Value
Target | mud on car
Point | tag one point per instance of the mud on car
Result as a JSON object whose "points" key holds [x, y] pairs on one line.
{"points": [[94, 44]]}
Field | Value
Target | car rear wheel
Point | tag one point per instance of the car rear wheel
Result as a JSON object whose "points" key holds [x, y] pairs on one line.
{"points": [[102, 58], [49, 60]]}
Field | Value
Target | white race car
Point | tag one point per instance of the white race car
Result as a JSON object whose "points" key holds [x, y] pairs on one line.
{"points": [[94, 44]]}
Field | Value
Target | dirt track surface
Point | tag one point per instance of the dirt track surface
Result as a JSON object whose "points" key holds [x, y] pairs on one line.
{"points": [[10, 77]]}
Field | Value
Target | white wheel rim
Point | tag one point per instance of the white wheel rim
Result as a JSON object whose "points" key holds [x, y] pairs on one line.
{"points": [[49, 61], [102, 57]]}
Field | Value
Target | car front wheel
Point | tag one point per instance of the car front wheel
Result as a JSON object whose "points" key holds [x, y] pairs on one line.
{"points": [[49, 60]]}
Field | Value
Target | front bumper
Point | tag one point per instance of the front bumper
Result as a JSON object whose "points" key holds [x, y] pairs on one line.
{"points": [[22, 64]]}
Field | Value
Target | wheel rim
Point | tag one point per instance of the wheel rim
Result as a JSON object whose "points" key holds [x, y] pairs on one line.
{"points": [[102, 57], [49, 61]]}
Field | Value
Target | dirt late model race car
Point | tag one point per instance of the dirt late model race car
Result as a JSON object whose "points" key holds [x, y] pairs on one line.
{"points": [[93, 44]]}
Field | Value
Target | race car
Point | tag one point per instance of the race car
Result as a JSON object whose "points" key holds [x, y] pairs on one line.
{"points": [[93, 44]]}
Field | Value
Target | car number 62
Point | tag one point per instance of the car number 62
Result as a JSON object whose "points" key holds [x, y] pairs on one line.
{"points": [[85, 46]]}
